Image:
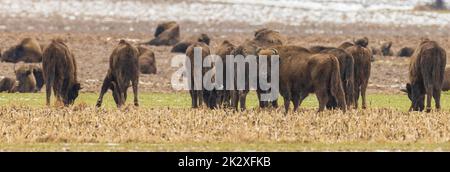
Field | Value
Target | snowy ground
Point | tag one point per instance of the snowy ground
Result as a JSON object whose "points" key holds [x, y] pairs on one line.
{"points": [[256, 12]]}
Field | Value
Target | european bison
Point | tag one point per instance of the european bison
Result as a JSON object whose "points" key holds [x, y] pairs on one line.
{"points": [[225, 49], [8, 85], [27, 81], [147, 62], [346, 64], [405, 52], [426, 75], [386, 49], [345, 45], [28, 50], [199, 94], [363, 42], [167, 33], [123, 69], [303, 72], [60, 72], [362, 64], [183, 45]]}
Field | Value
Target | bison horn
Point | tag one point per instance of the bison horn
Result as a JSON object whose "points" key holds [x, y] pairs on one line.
{"points": [[275, 51]]}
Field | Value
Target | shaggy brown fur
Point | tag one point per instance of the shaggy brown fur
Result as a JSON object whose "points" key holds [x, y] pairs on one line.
{"points": [[60, 72], [7, 84], [27, 82], [203, 95], [303, 72], [147, 62], [39, 76], [363, 42], [28, 50], [226, 48], [123, 70], [386, 49], [405, 52], [346, 64], [426, 75], [183, 45], [346, 45], [362, 58], [265, 37], [167, 33]]}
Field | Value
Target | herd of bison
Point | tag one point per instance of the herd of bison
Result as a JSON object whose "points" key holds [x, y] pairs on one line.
{"points": [[337, 75]]}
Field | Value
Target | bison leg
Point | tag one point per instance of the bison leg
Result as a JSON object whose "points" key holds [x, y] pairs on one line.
{"points": [[48, 92], [193, 98], [363, 94], [135, 91], [322, 96], [437, 98], [429, 97], [287, 101], [242, 99], [275, 104], [296, 101], [234, 99], [356, 96], [106, 84]]}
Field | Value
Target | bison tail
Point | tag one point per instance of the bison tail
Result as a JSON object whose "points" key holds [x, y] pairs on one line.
{"points": [[336, 85]]}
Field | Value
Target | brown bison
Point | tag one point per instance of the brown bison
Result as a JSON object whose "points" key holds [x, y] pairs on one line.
{"points": [[8, 85], [200, 94], [362, 64], [27, 81], [183, 45], [386, 49], [226, 48], [426, 75], [167, 33], [303, 72], [60, 72], [405, 52], [147, 62], [28, 50], [123, 70], [345, 45], [346, 64]]}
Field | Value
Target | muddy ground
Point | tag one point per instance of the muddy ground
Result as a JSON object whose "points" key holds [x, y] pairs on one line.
{"points": [[92, 43]]}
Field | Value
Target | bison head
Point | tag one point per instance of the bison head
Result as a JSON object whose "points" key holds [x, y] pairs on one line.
{"points": [[416, 96], [204, 38], [363, 42], [73, 94]]}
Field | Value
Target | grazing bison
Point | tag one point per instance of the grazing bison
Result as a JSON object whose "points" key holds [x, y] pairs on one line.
{"points": [[346, 64], [362, 64], [27, 81], [123, 69], [7, 84], [167, 33], [345, 45], [147, 62], [28, 50], [386, 49], [226, 48], [405, 52], [60, 72], [199, 95], [183, 45], [426, 75], [303, 72]]}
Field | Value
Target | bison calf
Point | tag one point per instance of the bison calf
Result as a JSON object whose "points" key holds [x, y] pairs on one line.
{"points": [[60, 73], [7, 84], [426, 75], [123, 69]]}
